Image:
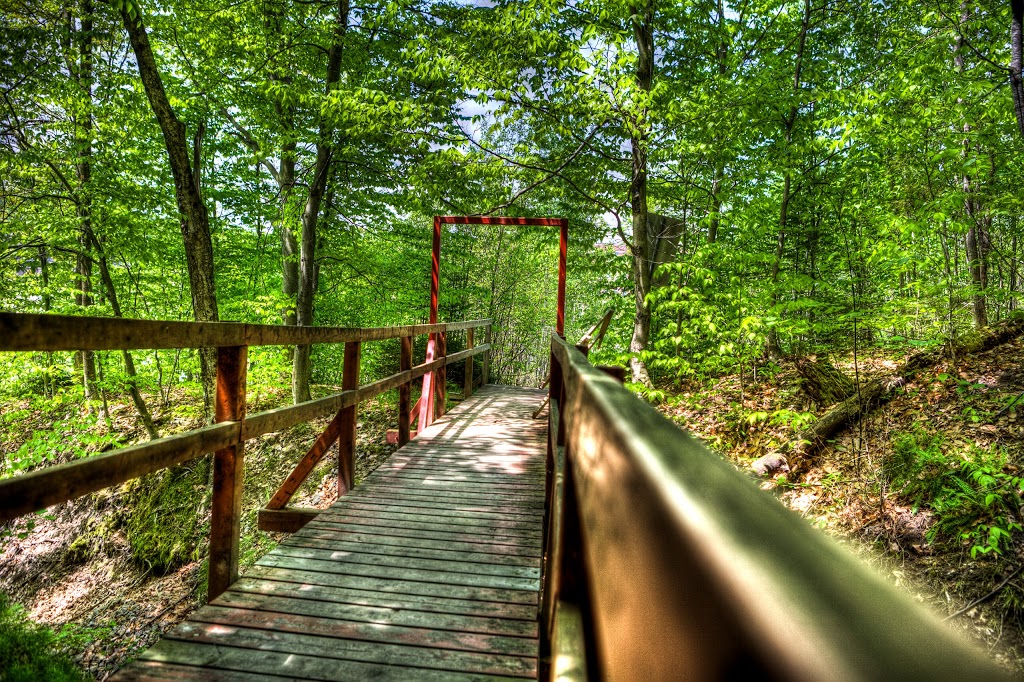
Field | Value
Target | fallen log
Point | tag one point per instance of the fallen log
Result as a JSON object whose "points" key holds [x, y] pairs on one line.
{"points": [[875, 394]]}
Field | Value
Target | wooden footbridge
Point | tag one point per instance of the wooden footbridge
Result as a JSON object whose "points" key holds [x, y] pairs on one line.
{"points": [[599, 543]]}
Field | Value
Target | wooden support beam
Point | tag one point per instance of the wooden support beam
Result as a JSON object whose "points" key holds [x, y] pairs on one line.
{"points": [[306, 465], [467, 383], [57, 484], [442, 375], [287, 520], [228, 469], [52, 485], [405, 391], [347, 434]]}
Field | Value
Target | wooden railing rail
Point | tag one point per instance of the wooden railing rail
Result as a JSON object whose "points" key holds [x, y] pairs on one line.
{"points": [[57, 484], [662, 562]]}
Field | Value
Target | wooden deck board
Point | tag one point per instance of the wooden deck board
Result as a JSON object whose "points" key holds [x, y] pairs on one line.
{"points": [[427, 570]]}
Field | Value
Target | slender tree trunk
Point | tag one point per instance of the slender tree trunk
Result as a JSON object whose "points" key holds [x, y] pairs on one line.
{"points": [[194, 220], [49, 390], [285, 175], [129, 362], [642, 16], [715, 220], [308, 269], [289, 244], [974, 239], [716, 203], [80, 65], [789, 123], [1017, 61], [1011, 303]]}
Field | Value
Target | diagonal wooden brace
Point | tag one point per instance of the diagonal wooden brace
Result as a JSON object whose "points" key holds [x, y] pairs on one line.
{"points": [[306, 465]]}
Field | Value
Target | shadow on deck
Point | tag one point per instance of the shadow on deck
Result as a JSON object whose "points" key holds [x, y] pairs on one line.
{"points": [[428, 570]]}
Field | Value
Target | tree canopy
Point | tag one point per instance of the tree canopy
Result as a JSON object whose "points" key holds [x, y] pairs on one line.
{"points": [[743, 179]]}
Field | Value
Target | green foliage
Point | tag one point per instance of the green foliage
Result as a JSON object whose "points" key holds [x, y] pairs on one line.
{"points": [[973, 497], [31, 652], [707, 321]]}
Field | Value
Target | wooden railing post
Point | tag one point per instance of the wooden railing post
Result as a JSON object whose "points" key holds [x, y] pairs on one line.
{"points": [[347, 437], [228, 469], [442, 374], [486, 369], [404, 392], [467, 384]]}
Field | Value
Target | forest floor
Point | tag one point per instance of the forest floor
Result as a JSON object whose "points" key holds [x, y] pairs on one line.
{"points": [[954, 410], [73, 569]]}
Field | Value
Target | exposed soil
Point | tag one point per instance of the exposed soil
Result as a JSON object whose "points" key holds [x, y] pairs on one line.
{"points": [[845, 494]]}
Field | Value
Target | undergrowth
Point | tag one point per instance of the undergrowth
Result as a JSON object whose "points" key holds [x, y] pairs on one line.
{"points": [[30, 652], [974, 498]]}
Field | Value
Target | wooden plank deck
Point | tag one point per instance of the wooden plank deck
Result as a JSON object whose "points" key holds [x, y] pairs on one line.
{"points": [[428, 570]]}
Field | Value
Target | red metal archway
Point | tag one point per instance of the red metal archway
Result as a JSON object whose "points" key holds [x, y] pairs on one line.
{"points": [[426, 409]]}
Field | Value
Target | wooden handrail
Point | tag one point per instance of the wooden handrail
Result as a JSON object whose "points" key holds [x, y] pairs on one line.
{"points": [[40, 332], [57, 484], [677, 566]]}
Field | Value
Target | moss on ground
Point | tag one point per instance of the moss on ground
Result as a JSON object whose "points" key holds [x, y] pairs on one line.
{"points": [[166, 517]]}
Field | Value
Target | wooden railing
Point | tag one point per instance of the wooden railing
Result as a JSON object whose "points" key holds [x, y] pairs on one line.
{"points": [[226, 438], [664, 562]]}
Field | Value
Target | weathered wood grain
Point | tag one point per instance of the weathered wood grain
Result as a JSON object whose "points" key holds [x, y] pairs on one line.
{"points": [[293, 666], [228, 471], [442, 551], [315, 643], [369, 613], [453, 564], [33, 332], [430, 568], [328, 587], [502, 552]]}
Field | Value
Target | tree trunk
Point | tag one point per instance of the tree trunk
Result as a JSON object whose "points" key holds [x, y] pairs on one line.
{"points": [[643, 31], [308, 270], [194, 220], [789, 123], [972, 239], [129, 362], [49, 390], [715, 218], [80, 65], [1017, 61], [289, 244]]}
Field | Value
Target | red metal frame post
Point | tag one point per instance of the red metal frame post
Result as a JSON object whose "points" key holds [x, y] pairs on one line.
{"points": [[426, 416], [430, 383], [563, 250], [442, 375]]}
